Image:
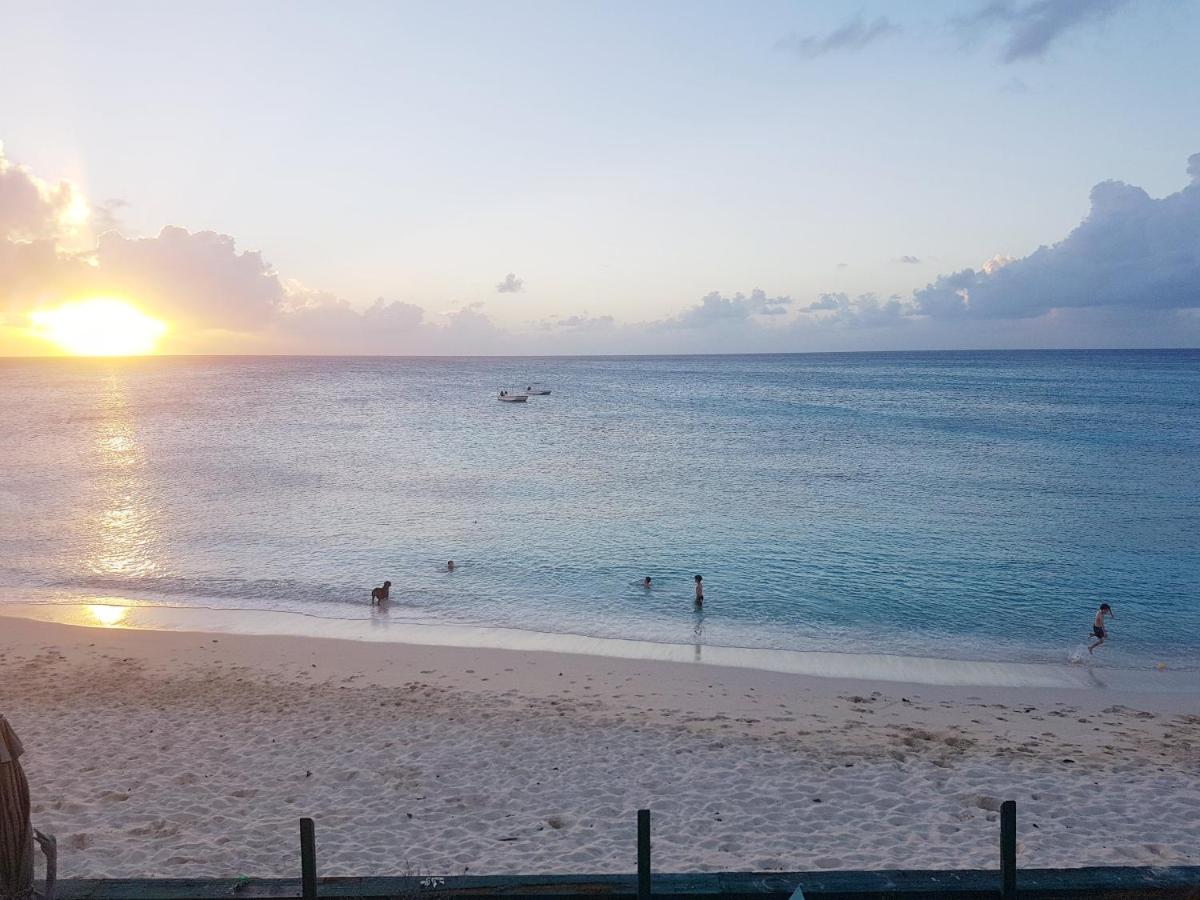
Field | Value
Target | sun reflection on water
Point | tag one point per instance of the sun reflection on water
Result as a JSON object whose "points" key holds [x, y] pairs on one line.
{"points": [[123, 521], [108, 616]]}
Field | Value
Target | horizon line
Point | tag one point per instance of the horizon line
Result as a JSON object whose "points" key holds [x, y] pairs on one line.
{"points": [[146, 356]]}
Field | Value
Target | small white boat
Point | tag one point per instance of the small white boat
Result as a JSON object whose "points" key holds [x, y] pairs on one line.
{"points": [[536, 390], [506, 397]]}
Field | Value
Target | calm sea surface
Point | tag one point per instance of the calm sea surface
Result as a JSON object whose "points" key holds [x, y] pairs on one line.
{"points": [[962, 505]]}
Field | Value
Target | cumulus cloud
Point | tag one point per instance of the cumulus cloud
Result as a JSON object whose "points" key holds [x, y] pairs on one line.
{"points": [[1031, 28], [1131, 251], [33, 209], [511, 284], [714, 307], [909, 260], [196, 278], [850, 37], [863, 310], [1129, 272]]}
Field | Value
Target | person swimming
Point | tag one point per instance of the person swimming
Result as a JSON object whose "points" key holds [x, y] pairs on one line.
{"points": [[450, 566], [646, 582]]}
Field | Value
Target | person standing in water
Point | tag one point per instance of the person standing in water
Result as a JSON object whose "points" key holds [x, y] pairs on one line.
{"points": [[646, 582], [699, 590], [1098, 629], [450, 566]]}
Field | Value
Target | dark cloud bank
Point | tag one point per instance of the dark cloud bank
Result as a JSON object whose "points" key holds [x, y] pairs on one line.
{"points": [[1127, 275]]}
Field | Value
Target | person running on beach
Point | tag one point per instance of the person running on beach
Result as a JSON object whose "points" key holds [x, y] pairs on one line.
{"points": [[699, 591], [380, 594], [1098, 629]]}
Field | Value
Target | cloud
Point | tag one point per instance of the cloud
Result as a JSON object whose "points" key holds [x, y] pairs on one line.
{"points": [[714, 308], [33, 209], [851, 37], [827, 301], [511, 284], [842, 310], [909, 260], [106, 216], [1131, 252], [198, 279], [1033, 27], [1128, 275]]}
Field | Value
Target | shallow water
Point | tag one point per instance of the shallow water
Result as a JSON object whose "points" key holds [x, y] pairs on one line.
{"points": [[955, 505]]}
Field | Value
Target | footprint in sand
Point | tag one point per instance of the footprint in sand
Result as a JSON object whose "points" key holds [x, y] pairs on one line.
{"points": [[78, 841]]}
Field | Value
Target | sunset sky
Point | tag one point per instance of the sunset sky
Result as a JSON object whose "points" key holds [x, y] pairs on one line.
{"points": [[612, 177]]}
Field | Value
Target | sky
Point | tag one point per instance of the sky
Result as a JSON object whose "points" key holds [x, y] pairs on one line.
{"points": [[570, 177]]}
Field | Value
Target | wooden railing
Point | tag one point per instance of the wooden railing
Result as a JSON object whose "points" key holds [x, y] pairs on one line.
{"points": [[1093, 883]]}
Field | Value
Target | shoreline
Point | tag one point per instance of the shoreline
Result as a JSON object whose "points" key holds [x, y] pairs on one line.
{"points": [[189, 754], [888, 668]]}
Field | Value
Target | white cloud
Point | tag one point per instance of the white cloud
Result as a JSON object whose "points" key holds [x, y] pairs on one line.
{"points": [[1130, 251], [511, 284], [32, 209], [1129, 274]]}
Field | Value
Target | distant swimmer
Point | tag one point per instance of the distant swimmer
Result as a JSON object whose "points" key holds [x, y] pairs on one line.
{"points": [[699, 590], [380, 594], [646, 582], [450, 566], [1098, 629]]}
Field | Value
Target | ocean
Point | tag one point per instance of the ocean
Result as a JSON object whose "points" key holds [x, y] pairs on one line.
{"points": [[953, 505]]}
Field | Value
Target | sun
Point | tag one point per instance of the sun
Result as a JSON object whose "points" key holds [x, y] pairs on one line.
{"points": [[99, 326]]}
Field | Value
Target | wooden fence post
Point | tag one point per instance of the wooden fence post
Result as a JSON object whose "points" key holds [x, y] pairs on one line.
{"points": [[643, 854], [1008, 850], [308, 860]]}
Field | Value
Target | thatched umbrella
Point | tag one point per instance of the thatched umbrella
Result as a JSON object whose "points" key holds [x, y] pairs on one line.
{"points": [[16, 832]]}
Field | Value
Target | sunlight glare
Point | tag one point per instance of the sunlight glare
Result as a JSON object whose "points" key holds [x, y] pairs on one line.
{"points": [[100, 326], [108, 616]]}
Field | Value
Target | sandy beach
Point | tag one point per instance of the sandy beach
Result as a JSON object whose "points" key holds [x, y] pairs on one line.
{"points": [[189, 754]]}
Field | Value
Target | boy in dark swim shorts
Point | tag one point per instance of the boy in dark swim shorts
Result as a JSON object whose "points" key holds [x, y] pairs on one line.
{"points": [[1098, 629]]}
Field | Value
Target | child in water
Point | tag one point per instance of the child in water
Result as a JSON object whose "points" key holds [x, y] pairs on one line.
{"points": [[1098, 629]]}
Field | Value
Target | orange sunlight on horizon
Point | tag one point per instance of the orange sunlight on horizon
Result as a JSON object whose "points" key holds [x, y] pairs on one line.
{"points": [[99, 326]]}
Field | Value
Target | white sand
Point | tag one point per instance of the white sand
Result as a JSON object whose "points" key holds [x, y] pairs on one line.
{"points": [[172, 754]]}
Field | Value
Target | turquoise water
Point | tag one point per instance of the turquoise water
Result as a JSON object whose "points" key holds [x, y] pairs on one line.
{"points": [[957, 505]]}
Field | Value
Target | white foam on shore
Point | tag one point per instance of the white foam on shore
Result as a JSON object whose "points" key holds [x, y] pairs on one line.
{"points": [[871, 667]]}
